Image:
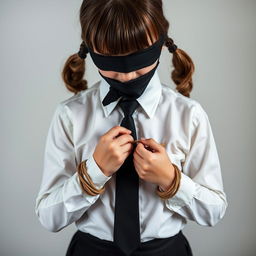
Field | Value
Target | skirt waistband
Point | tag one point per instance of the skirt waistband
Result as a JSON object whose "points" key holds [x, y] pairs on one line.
{"points": [[153, 246]]}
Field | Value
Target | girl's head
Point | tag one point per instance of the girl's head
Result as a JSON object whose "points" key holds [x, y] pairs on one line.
{"points": [[121, 27]]}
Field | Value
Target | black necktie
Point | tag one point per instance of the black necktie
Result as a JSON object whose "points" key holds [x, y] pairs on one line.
{"points": [[126, 222]]}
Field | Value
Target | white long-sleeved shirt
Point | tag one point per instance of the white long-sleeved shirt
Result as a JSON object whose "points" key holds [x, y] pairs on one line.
{"points": [[164, 115]]}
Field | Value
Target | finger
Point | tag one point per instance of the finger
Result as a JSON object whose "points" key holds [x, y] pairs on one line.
{"points": [[152, 144], [124, 139], [137, 164], [116, 130], [127, 148], [141, 151], [137, 156]]}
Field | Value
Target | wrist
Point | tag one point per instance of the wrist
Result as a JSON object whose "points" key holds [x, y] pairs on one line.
{"points": [[172, 190], [168, 181], [86, 182], [102, 170]]}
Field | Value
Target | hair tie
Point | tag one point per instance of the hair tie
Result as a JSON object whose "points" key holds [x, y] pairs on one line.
{"points": [[83, 50], [170, 44]]}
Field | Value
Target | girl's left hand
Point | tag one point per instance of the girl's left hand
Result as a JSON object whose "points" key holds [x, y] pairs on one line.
{"points": [[154, 167]]}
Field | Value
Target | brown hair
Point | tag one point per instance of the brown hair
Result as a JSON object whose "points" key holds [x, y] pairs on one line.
{"points": [[113, 27]]}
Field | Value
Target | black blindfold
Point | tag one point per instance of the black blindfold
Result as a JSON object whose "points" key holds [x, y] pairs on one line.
{"points": [[130, 62]]}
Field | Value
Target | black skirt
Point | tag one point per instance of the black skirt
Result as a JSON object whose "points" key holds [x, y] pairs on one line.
{"points": [[85, 244]]}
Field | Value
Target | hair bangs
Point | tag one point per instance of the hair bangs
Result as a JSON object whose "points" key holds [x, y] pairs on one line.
{"points": [[120, 30]]}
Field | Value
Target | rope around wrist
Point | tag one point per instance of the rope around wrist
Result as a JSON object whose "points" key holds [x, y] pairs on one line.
{"points": [[86, 184], [174, 186]]}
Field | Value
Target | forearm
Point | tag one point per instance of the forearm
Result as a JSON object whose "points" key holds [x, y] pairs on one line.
{"points": [[63, 204], [198, 203]]}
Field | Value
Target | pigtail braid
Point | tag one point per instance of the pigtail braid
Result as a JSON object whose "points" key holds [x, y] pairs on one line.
{"points": [[74, 70], [183, 68]]}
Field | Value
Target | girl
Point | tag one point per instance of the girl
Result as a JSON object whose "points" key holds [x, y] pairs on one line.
{"points": [[129, 160]]}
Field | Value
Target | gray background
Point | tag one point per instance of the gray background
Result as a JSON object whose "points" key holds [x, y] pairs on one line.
{"points": [[36, 39]]}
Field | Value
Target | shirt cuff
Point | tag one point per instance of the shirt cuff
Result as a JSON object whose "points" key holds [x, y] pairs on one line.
{"points": [[184, 195], [95, 173]]}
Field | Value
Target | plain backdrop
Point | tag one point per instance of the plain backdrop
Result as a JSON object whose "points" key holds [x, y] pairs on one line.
{"points": [[36, 39]]}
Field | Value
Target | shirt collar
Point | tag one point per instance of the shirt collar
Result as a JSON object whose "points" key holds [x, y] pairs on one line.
{"points": [[148, 100]]}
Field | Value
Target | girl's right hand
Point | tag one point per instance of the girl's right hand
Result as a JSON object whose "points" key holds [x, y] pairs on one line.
{"points": [[112, 149]]}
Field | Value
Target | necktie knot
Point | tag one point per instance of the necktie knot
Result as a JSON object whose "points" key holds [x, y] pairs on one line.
{"points": [[128, 106]]}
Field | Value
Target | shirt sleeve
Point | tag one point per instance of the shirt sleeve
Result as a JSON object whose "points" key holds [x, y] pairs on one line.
{"points": [[200, 197], [61, 200]]}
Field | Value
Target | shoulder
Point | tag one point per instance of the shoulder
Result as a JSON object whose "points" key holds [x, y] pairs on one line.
{"points": [[176, 98], [78, 101], [82, 96], [183, 105]]}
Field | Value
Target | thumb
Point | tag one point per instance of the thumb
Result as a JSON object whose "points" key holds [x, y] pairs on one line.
{"points": [[152, 144]]}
